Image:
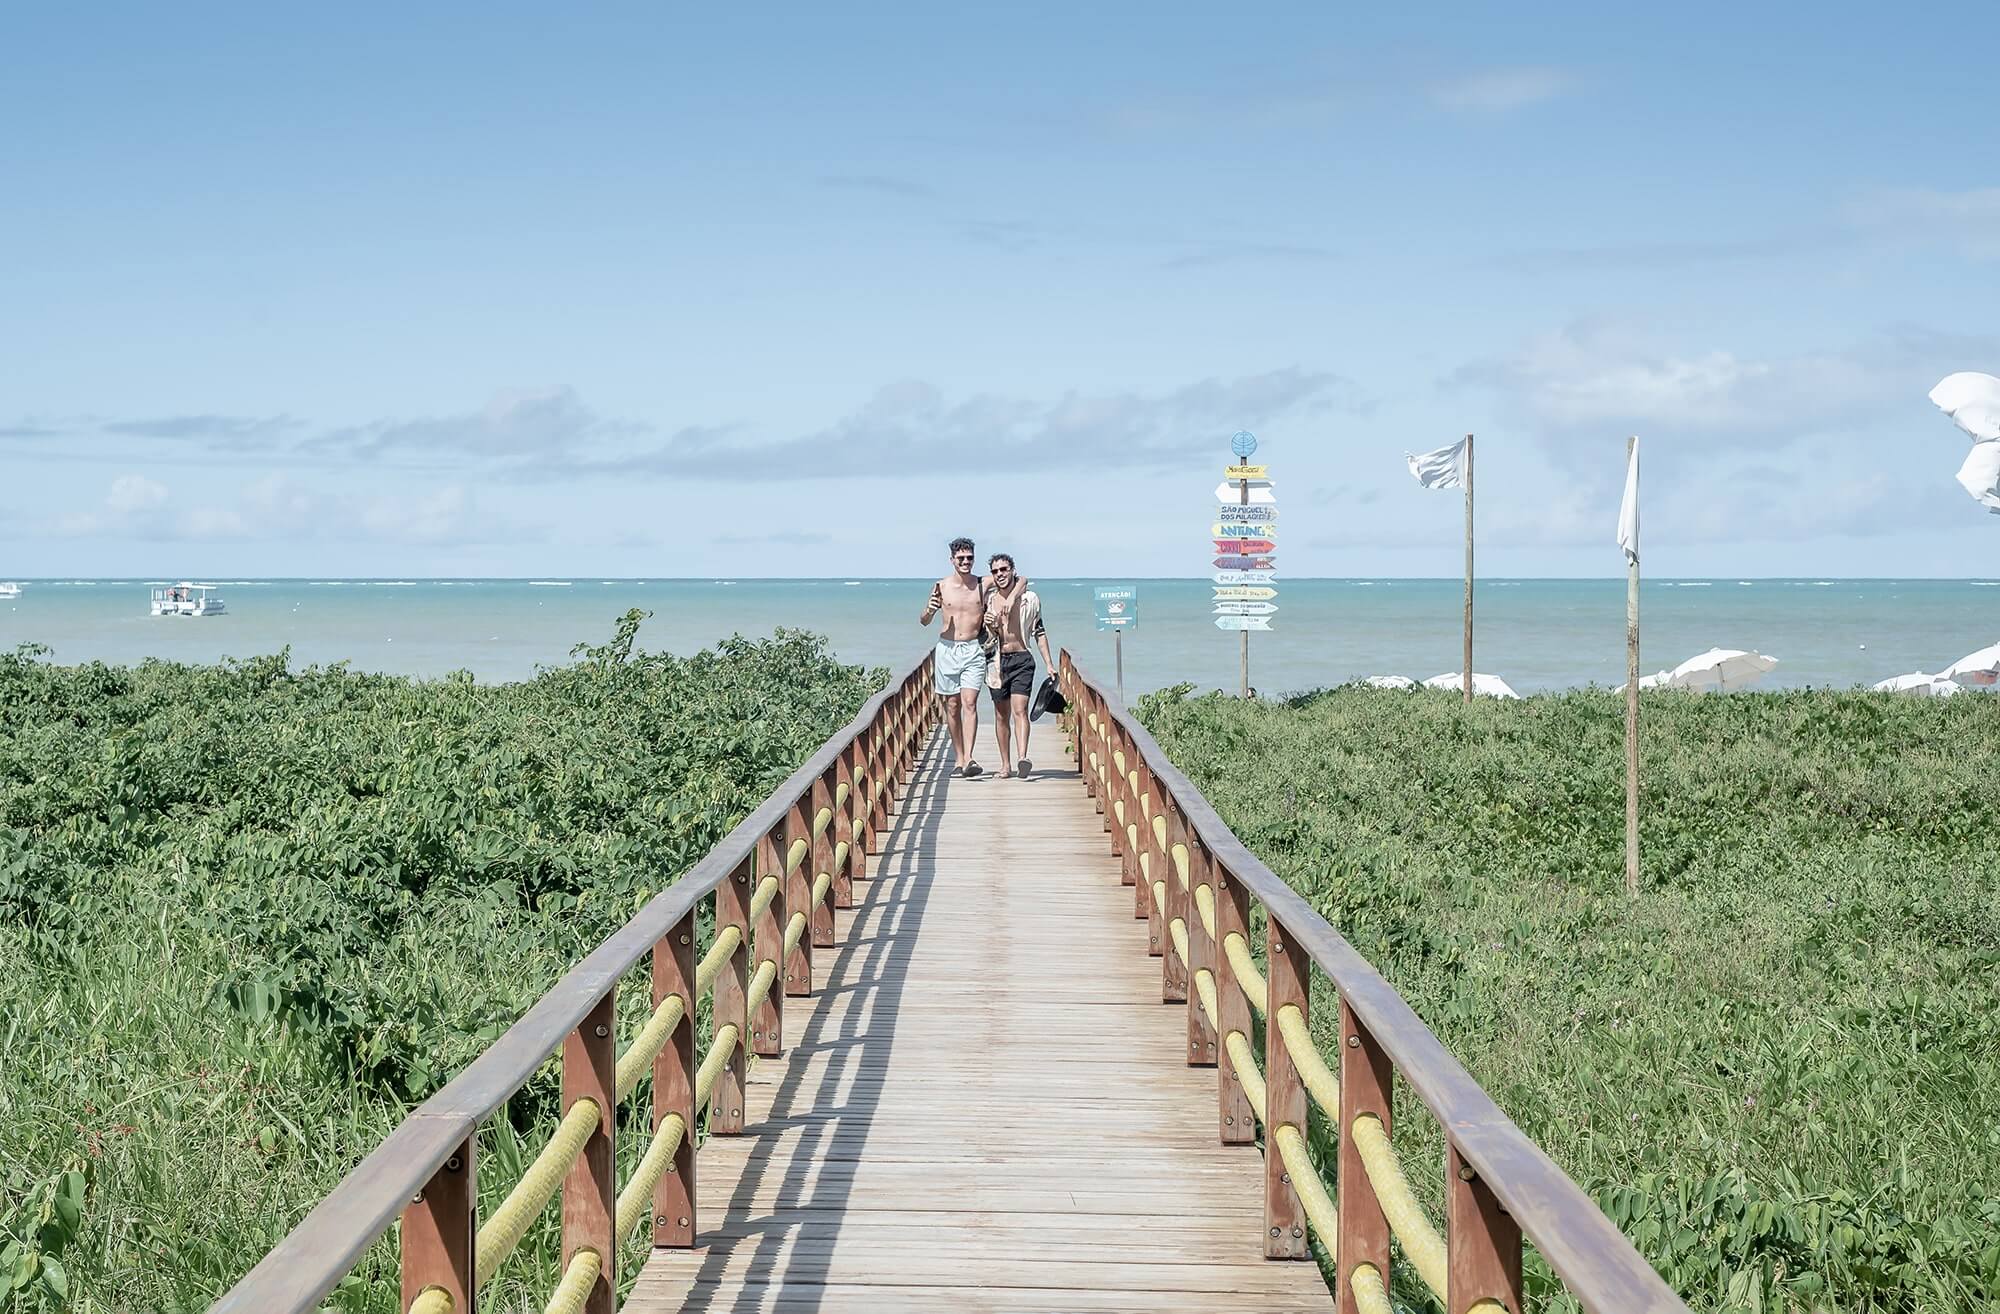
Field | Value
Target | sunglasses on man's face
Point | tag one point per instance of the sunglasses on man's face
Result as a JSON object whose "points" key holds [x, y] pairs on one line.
{"points": [[961, 558]]}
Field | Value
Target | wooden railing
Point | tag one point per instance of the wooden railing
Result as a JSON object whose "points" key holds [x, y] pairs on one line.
{"points": [[775, 881], [1195, 884]]}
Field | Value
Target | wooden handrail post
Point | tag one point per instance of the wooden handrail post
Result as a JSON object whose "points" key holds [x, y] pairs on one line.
{"points": [[438, 1230], [1288, 983], [798, 964], [1116, 809], [819, 861], [1232, 916], [1161, 913], [1100, 743], [732, 995], [767, 1020], [878, 776], [1365, 1088], [865, 776], [673, 1087], [1483, 1239], [1177, 978], [590, 1191], [1203, 1044], [1138, 837], [1155, 868], [900, 745], [844, 831]]}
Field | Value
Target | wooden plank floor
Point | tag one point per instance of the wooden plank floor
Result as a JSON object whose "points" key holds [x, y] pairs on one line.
{"points": [[984, 1105]]}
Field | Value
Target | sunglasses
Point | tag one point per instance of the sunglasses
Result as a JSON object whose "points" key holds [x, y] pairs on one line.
{"points": [[964, 558]]}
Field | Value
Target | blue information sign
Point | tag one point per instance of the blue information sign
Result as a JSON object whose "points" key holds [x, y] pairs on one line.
{"points": [[1117, 606]]}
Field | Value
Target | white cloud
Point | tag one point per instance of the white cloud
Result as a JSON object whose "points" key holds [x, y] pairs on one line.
{"points": [[1968, 220], [1741, 447], [522, 423], [1497, 90], [912, 428], [1604, 379], [134, 494], [277, 507], [134, 506], [445, 516]]}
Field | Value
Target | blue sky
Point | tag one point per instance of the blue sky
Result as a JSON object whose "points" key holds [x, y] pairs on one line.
{"points": [[645, 290]]}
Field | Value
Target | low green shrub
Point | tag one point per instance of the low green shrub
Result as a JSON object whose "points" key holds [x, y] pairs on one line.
{"points": [[1778, 1069], [252, 914]]}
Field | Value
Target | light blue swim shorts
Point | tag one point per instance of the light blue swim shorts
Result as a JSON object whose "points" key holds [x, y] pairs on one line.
{"points": [[960, 665]]}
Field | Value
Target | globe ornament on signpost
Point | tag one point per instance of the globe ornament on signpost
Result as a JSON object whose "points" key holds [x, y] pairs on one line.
{"points": [[1243, 443]]}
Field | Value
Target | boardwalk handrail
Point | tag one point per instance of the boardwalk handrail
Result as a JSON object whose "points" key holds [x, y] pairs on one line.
{"points": [[830, 810], [1499, 1183]]}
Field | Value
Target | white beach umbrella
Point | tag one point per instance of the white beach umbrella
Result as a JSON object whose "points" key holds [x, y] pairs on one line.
{"points": [[1492, 686], [1917, 683], [1980, 668], [1720, 670], [1390, 682], [1980, 475], [1972, 400], [1654, 681]]}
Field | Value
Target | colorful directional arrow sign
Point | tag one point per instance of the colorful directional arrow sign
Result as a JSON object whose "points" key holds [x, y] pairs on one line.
{"points": [[1245, 563], [1244, 592], [1244, 529], [1256, 513], [1228, 577], [1242, 622], [1246, 608], [1232, 491], [1248, 471], [1245, 547]]}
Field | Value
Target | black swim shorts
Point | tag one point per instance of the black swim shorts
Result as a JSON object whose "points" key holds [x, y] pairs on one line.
{"points": [[1017, 675]]}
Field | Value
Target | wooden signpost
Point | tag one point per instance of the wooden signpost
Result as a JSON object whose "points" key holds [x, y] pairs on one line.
{"points": [[1245, 532]]}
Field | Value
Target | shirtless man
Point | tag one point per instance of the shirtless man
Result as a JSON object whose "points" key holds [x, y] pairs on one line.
{"points": [[961, 662], [1013, 612]]}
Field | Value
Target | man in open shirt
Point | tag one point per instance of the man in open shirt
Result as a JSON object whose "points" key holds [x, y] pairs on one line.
{"points": [[1014, 614]]}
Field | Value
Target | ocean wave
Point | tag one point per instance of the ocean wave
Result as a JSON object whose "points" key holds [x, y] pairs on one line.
{"points": [[550, 583]]}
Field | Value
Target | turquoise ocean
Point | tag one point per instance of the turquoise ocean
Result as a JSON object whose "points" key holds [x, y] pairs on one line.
{"points": [[1537, 634]]}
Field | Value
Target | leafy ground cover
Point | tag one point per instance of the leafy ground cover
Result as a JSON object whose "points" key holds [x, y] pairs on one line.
{"points": [[1778, 1070], [249, 915]]}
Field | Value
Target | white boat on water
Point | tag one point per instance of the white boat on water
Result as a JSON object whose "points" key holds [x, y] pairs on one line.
{"points": [[9, 589], [185, 599]]}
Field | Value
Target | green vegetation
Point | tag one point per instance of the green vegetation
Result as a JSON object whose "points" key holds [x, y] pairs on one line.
{"points": [[1778, 1070], [249, 915]]}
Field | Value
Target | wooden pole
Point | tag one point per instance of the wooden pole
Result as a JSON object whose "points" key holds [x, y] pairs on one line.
{"points": [[1244, 634], [1631, 712], [1468, 570], [1118, 657]]}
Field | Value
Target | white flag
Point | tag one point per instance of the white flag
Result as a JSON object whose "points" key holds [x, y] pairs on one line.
{"points": [[1972, 400], [1443, 468], [1628, 510], [1980, 475]]}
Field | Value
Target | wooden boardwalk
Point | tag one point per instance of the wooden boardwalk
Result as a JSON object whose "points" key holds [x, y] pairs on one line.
{"points": [[984, 1105]]}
